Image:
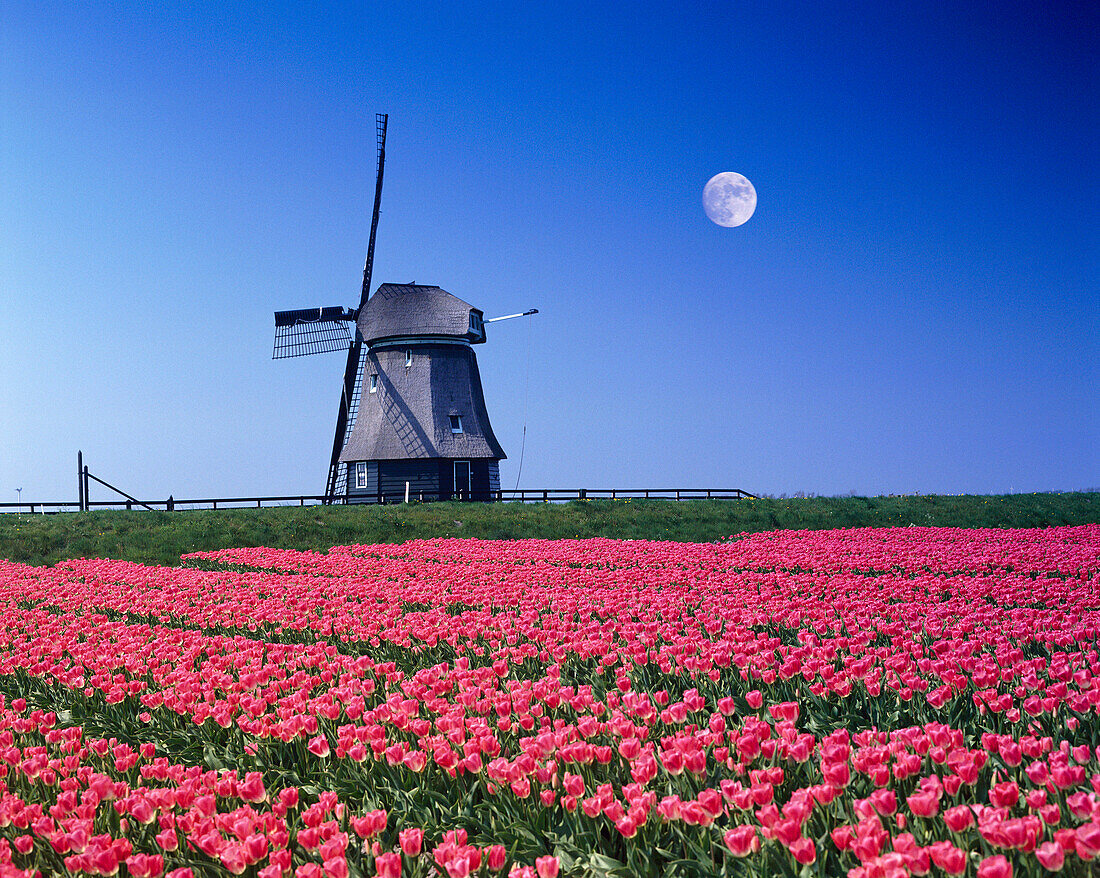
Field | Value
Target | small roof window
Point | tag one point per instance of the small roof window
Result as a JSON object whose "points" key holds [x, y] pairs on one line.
{"points": [[456, 423]]}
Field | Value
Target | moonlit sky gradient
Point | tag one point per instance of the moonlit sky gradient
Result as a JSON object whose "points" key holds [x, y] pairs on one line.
{"points": [[913, 306]]}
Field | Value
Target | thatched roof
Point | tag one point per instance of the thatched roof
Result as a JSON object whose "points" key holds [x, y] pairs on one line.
{"points": [[397, 310], [409, 415]]}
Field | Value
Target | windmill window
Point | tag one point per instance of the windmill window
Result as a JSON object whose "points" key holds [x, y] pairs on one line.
{"points": [[456, 423], [408, 358], [373, 383], [361, 474]]}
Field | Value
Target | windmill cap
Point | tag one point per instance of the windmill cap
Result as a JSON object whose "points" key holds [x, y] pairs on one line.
{"points": [[398, 310]]}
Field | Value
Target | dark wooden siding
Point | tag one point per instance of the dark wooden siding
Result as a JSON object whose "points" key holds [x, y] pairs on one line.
{"points": [[386, 481], [422, 476], [428, 478], [479, 479], [371, 487]]}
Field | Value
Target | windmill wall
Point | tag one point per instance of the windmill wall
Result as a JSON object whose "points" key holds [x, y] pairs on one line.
{"points": [[428, 479]]}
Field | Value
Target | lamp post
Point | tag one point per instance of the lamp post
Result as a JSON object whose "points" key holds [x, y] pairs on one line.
{"points": [[19, 494]]}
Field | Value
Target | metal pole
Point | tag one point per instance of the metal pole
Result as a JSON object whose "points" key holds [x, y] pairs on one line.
{"points": [[80, 481]]}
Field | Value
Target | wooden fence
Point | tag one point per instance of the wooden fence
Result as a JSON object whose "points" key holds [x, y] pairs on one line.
{"points": [[526, 495]]}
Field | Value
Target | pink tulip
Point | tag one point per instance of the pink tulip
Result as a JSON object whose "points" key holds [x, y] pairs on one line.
{"points": [[1051, 856], [803, 850], [1004, 795], [388, 865], [923, 804], [995, 867], [958, 818], [411, 841], [884, 802], [1088, 840], [336, 867], [742, 840], [547, 867], [495, 857]]}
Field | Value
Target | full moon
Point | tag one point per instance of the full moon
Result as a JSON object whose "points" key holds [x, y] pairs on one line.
{"points": [[729, 199]]}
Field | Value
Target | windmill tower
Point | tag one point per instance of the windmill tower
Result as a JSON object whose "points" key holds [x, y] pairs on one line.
{"points": [[412, 418]]}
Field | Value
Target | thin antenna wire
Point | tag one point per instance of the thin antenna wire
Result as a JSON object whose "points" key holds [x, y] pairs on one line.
{"points": [[526, 388]]}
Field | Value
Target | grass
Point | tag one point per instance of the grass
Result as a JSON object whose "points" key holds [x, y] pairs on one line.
{"points": [[161, 537]]}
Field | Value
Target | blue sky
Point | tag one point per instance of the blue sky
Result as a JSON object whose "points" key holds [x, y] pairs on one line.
{"points": [[912, 308]]}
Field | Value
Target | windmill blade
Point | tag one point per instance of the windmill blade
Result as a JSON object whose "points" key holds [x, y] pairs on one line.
{"points": [[309, 331], [353, 371]]}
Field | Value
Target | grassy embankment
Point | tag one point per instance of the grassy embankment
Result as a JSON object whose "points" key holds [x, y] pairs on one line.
{"points": [[161, 537]]}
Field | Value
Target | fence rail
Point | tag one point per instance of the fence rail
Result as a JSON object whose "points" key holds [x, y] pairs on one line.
{"points": [[526, 495]]}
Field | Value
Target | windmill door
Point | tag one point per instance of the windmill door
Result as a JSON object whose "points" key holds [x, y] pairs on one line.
{"points": [[462, 479]]}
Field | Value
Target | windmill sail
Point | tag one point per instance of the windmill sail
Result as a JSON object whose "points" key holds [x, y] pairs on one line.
{"points": [[312, 331], [336, 485]]}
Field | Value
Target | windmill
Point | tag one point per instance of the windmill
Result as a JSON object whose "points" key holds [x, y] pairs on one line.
{"points": [[318, 330], [417, 427]]}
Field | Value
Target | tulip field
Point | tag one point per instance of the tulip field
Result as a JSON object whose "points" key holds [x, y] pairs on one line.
{"points": [[871, 703]]}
